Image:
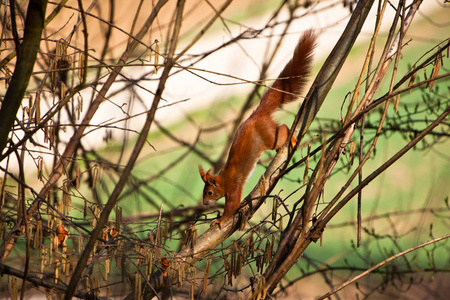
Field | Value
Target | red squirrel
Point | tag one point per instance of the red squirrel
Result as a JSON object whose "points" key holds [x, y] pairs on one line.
{"points": [[259, 132]]}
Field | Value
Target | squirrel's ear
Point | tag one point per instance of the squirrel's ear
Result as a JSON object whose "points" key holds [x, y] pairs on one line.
{"points": [[212, 181], [202, 173]]}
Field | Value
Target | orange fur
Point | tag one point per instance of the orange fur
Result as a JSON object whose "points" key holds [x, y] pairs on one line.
{"points": [[259, 132]]}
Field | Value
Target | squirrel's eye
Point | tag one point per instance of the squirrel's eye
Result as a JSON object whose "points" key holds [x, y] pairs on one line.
{"points": [[210, 193]]}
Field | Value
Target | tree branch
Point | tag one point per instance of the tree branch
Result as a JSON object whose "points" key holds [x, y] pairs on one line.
{"points": [[26, 57]]}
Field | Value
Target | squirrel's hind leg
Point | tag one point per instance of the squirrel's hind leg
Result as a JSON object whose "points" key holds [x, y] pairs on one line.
{"points": [[281, 137]]}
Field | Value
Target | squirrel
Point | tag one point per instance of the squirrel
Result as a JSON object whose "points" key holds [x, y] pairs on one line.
{"points": [[259, 132]]}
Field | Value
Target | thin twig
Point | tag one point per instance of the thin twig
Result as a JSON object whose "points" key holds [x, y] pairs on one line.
{"points": [[380, 264]]}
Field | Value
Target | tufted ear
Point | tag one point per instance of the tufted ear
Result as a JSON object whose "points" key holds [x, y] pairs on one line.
{"points": [[204, 175]]}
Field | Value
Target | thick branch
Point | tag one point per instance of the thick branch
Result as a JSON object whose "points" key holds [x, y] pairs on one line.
{"points": [[26, 58]]}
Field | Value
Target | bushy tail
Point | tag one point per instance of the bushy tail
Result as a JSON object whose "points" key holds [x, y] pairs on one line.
{"points": [[292, 79]]}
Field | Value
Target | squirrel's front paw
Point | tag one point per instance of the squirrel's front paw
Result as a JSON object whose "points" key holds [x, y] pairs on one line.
{"points": [[217, 222]]}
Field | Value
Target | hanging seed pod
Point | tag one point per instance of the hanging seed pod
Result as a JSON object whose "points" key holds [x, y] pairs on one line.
{"points": [[49, 211], [261, 289], [40, 162], [57, 267], [191, 292], [85, 209], [118, 219], [148, 263], [2, 196], [240, 261], [37, 241], [37, 111], [62, 89], [170, 227], [246, 245], [95, 285], [228, 268], [269, 250], [80, 243], [266, 253], [158, 243], [180, 273], [107, 262], [205, 277], [137, 286], [305, 174], [194, 276], [50, 251], [81, 70], [25, 113], [411, 81], [46, 255], [43, 259], [64, 265], [14, 289], [30, 228], [30, 109], [118, 253], [352, 152], [46, 134], [62, 64], [54, 68], [250, 245], [3, 231], [258, 260], [104, 235], [396, 102], [156, 56], [274, 208], [77, 175], [435, 72], [79, 106], [95, 174], [191, 236], [141, 256], [66, 197], [60, 49], [97, 211], [165, 229], [188, 270], [234, 258], [51, 134], [151, 238], [88, 283]]}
